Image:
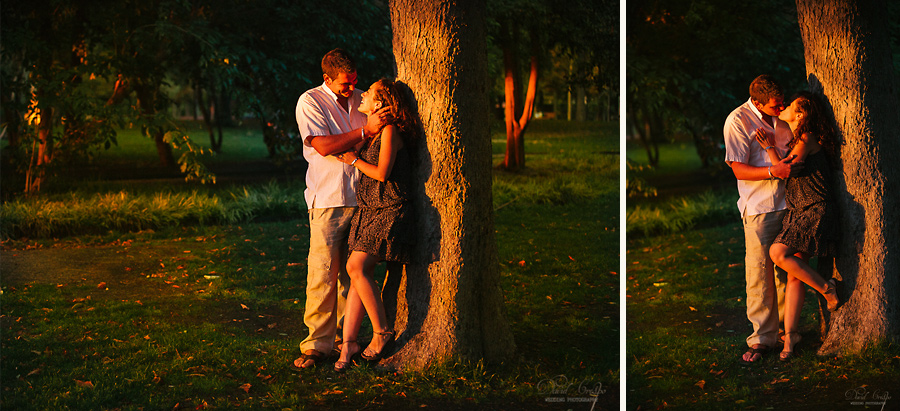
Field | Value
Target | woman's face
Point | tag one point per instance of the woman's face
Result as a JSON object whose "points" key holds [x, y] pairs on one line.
{"points": [[791, 114], [368, 103]]}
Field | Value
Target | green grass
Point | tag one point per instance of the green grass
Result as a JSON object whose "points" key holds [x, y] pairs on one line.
{"points": [[194, 315], [687, 328]]}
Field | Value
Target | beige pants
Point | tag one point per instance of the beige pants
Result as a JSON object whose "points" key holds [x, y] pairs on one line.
{"points": [[765, 283], [327, 282]]}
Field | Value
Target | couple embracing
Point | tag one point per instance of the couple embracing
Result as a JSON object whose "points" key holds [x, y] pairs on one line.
{"points": [[781, 159], [358, 182]]}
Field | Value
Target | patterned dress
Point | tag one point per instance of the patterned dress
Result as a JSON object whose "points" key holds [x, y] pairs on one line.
{"points": [[811, 222], [383, 223]]}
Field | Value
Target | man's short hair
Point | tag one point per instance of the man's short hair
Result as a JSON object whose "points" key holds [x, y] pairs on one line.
{"points": [[765, 88], [337, 61]]}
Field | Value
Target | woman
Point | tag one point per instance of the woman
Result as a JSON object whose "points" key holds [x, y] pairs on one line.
{"points": [[810, 224], [382, 226]]}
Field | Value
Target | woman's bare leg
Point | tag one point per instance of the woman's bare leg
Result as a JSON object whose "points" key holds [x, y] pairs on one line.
{"points": [[797, 265], [361, 267]]}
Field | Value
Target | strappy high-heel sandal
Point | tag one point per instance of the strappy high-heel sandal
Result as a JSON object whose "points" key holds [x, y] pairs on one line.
{"points": [[341, 366], [788, 354], [388, 345], [831, 289]]}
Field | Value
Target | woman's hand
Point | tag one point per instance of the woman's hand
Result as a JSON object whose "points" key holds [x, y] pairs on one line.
{"points": [[347, 157], [764, 139]]}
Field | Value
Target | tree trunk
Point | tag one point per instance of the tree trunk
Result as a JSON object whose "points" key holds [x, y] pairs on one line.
{"points": [[450, 306], [514, 158], [146, 96], [848, 60]]}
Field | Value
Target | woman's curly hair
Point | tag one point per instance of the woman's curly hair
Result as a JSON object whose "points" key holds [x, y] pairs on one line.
{"points": [[390, 95], [814, 122]]}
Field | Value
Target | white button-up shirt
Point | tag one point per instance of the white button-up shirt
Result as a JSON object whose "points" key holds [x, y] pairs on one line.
{"points": [[763, 196], [329, 182]]}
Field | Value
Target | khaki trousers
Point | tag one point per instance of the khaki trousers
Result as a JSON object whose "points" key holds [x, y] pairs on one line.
{"points": [[765, 283], [327, 282]]}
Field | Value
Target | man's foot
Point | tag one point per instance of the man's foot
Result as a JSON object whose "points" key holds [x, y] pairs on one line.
{"points": [[754, 354], [308, 359]]}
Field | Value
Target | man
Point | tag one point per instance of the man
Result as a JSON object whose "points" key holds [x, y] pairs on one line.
{"points": [[329, 123], [762, 205]]}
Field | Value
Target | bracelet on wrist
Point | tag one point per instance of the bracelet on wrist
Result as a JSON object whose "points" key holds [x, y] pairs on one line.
{"points": [[357, 159], [771, 176], [767, 148]]}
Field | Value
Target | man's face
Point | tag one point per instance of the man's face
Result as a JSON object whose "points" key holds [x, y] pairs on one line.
{"points": [[772, 108], [343, 85]]}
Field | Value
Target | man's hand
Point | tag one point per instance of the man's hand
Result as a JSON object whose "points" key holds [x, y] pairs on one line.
{"points": [[377, 121], [787, 167]]}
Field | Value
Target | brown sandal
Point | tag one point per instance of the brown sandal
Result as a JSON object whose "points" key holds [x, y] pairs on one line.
{"points": [[341, 366], [316, 357]]}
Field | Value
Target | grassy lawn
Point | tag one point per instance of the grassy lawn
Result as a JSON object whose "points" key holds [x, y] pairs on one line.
{"points": [[193, 316], [686, 316]]}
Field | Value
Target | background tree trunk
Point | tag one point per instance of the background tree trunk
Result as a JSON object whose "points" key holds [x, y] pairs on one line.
{"points": [[450, 304], [514, 158], [848, 60]]}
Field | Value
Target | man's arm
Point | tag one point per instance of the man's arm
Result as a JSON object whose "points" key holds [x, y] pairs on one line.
{"points": [[781, 169], [339, 143]]}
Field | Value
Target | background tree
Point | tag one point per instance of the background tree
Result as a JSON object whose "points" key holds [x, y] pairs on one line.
{"points": [[450, 305], [848, 60], [572, 44]]}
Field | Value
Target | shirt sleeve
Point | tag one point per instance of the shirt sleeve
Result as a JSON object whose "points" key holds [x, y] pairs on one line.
{"points": [[737, 140], [310, 119]]}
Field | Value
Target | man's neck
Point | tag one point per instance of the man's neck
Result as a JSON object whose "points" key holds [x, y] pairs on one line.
{"points": [[768, 119]]}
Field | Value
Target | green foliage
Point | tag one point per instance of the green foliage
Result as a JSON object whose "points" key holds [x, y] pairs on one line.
{"points": [[682, 213], [690, 63], [82, 212]]}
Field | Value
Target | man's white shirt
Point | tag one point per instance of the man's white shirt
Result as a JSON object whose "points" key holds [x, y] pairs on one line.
{"points": [[329, 182], [763, 196]]}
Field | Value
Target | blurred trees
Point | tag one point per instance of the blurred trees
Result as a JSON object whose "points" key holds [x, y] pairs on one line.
{"points": [[690, 63], [73, 73], [573, 45]]}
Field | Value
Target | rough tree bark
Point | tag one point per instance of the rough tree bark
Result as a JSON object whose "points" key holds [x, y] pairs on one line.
{"points": [[848, 60], [450, 306]]}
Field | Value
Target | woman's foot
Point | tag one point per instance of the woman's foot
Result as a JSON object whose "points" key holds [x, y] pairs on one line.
{"points": [[831, 295], [348, 350], [790, 340], [380, 344]]}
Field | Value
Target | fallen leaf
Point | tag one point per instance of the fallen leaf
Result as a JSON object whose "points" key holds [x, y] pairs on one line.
{"points": [[701, 384], [522, 263], [245, 387], [85, 384], [692, 308], [245, 307], [101, 285]]}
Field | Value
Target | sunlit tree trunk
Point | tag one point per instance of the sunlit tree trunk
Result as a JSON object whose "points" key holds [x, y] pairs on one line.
{"points": [[450, 304], [514, 158], [147, 95], [848, 59]]}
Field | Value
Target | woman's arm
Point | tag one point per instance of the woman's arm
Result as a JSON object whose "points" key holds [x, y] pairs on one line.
{"points": [[390, 144], [807, 144], [768, 143]]}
